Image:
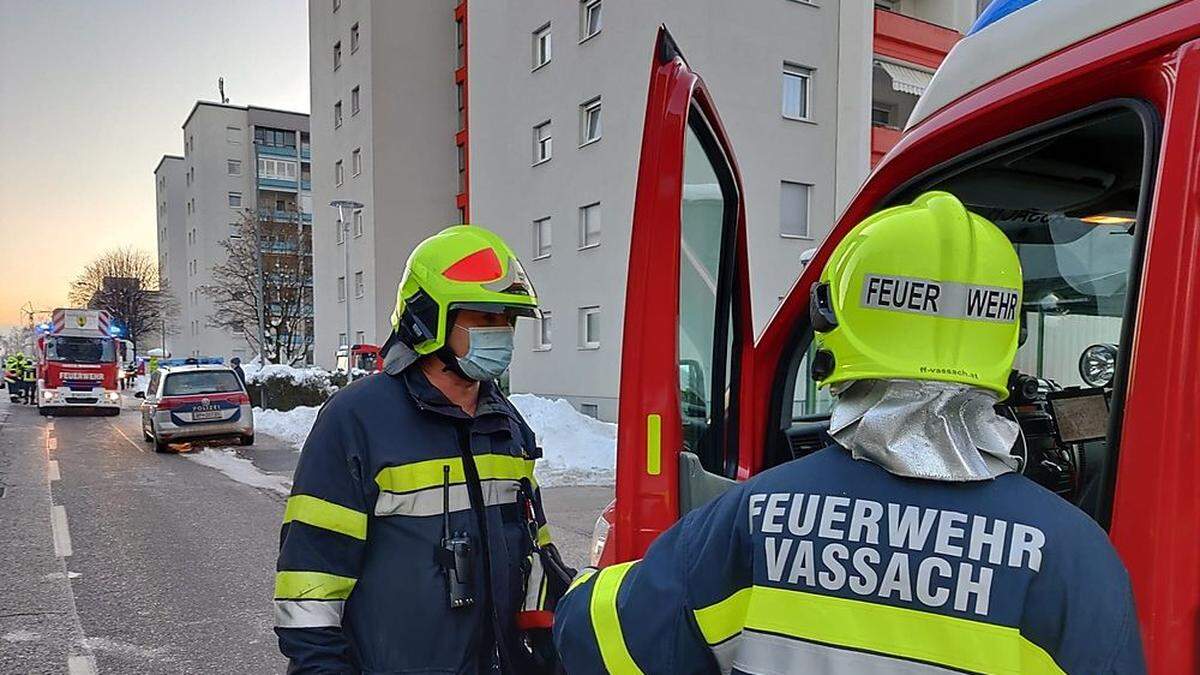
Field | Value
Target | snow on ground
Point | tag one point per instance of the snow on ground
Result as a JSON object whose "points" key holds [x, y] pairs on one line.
{"points": [[579, 450], [240, 469], [291, 426], [312, 376]]}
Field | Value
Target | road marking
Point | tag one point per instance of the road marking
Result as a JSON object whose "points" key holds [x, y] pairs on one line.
{"points": [[50, 426], [81, 665], [54, 475], [62, 536], [137, 447], [51, 443]]}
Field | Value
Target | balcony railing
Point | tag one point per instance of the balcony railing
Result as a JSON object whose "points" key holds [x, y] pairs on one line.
{"points": [[276, 150], [912, 40], [283, 216], [883, 139]]}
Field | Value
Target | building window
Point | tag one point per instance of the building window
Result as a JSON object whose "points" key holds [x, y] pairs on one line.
{"points": [[353, 38], [542, 329], [589, 121], [233, 167], [541, 46], [461, 95], [276, 138], [590, 409], [794, 202], [460, 44], [589, 327], [339, 175], [883, 115], [341, 288], [356, 161], [462, 215], [356, 220], [341, 339], [360, 337], [337, 55], [235, 230], [462, 168], [354, 102], [276, 169], [542, 142], [337, 114], [358, 284], [889, 5], [797, 88], [235, 200], [340, 231], [337, 4], [541, 238], [233, 135], [589, 19], [589, 225]]}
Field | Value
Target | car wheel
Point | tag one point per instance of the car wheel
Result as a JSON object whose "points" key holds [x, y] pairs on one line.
{"points": [[248, 439]]}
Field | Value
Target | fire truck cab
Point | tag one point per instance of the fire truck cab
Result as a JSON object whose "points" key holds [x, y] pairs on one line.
{"points": [[1072, 125], [363, 359], [77, 363]]}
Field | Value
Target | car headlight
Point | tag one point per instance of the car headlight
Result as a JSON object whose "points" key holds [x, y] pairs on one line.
{"points": [[113, 396], [47, 395], [599, 537], [1098, 365]]}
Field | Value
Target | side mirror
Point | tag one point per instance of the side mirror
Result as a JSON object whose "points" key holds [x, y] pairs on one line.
{"points": [[140, 394]]}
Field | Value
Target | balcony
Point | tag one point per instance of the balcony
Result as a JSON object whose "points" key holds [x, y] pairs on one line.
{"points": [[909, 39], [276, 150], [276, 184], [266, 215], [305, 153], [883, 139], [306, 185]]}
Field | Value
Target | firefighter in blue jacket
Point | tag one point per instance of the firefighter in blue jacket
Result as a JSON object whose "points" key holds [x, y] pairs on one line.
{"points": [[408, 539], [910, 546]]}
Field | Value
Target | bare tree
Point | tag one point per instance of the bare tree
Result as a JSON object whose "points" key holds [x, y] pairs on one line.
{"points": [[269, 258], [13, 341], [125, 282]]}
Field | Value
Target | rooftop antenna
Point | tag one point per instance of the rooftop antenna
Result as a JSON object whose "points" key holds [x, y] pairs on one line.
{"points": [[221, 88]]}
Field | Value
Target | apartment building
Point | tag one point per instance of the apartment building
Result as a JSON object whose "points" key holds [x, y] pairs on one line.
{"points": [[169, 177], [241, 165], [548, 100], [383, 126]]}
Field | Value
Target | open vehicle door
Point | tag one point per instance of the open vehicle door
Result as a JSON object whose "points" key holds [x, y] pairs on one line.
{"points": [[687, 313]]}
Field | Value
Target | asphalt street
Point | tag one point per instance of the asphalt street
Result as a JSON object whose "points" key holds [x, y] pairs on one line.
{"points": [[120, 560]]}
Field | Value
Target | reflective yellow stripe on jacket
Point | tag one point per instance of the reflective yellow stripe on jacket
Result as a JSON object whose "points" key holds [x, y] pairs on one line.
{"points": [[417, 489], [861, 626], [607, 625], [326, 515]]}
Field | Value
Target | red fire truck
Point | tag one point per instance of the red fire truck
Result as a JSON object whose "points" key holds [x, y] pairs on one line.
{"points": [[1073, 126], [77, 363]]}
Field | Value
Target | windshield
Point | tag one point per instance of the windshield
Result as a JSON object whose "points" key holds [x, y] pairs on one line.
{"points": [[201, 382], [80, 350]]}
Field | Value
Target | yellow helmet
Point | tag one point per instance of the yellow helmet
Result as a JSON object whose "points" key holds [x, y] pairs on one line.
{"points": [[461, 267], [922, 291]]}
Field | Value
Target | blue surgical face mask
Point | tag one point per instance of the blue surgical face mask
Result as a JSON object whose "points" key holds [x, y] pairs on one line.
{"points": [[489, 353]]}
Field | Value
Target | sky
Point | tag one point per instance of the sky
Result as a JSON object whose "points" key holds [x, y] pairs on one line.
{"points": [[94, 93]]}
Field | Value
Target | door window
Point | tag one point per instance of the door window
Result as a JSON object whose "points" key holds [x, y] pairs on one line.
{"points": [[705, 316], [1070, 199]]}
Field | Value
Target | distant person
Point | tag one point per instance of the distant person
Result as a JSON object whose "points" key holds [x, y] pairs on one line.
{"points": [[29, 382], [414, 535], [910, 545], [237, 370]]}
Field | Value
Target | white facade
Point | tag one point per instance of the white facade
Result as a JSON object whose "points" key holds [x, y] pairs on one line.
{"points": [[569, 80], [223, 174], [395, 150]]}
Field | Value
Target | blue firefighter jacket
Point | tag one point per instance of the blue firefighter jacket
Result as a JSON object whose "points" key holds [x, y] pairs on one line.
{"points": [[832, 565], [359, 586]]}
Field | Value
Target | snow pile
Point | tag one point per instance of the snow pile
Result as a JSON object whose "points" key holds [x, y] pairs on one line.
{"points": [[291, 427], [240, 469], [301, 377], [579, 450]]}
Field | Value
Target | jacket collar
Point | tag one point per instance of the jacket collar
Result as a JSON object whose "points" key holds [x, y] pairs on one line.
{"points": [[429, 398]]}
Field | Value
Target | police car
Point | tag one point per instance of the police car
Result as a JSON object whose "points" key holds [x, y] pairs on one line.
{"points": [[195, 401]]}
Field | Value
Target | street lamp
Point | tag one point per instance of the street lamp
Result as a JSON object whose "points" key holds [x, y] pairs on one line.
{"points": [[341, 205]]}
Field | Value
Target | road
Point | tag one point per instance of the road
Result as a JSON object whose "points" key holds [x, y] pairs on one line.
{"points": [[119, 560]]}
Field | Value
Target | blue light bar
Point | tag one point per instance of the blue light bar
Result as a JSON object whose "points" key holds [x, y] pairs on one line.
{"points": [[996, 11]]}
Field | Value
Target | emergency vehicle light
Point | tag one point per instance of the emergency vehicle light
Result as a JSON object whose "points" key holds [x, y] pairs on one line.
{"points": [[996, 11]]}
